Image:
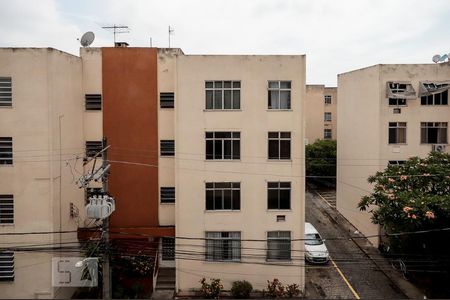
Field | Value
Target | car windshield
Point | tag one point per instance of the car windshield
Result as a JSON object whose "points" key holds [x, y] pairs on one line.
{"points": [[313, 239]]}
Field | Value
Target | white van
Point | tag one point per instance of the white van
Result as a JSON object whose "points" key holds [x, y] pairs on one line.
{"points": [[315, 249]]}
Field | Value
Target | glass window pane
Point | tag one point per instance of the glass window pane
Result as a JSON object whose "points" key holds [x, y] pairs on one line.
{"points": [[285, 199], [209, 185], [274, 84], [285, 99], [423, 135], [285, 84], [273, 185], [236, 84], [209, 134], [236, 149], [285, 134], [223, 185], [227, 99], [218, 99], [218, 199], [285, 185], [272, 199], [209, 199], [223, 135], [273, 135], [236, 99], [274, 149], [236, 185], [445, 98], [227, 199], [274, 101], [218, 149], [442, 136], [209, 100], [236, 134], [227, 84], [209, 149], [236, 199], [227, 149], [209, 84], [392, 135], [218, 84], [285, 149]]}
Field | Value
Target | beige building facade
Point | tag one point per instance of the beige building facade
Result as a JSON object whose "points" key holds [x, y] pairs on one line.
{"points": [[320, 113], [387, 113]]}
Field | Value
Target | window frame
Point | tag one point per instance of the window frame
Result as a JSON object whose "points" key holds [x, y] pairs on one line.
{"points": [[430, 100], [215, 250], [10, 260], [211, 137], [397, 128], [279, 188], [235, 86], [168, 249], [325, 116], [327, 99], [270, 256], [93, 102], [166, 100], [167, 150], [167, 190], [6, 157], [280, 90], [215, 187], [439, 127], [279, 140], [325, 131], [397, 100], [6, 92], [6, 209]]}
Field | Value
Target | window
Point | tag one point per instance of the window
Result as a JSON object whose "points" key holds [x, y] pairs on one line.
{"points": [[279, 195], [168, 248], [223, 145], [327, 134], [6, 151], [397, 102], [6, 209], [167, 100], [223, 246], [167, 147], [435, 99], [433, 132], [327, 117], [400, 90], [279, 95], [167, 195], [279, 245], [327, 99], [5, 92], [92, 147], [93, 101], [279, 145], [6, 266], [397, 162], [223, 195], [223, 94], [397, 132]]}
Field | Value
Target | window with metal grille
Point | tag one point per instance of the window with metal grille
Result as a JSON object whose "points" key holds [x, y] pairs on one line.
{"points": [[168, 248], [93, 101], [6, 209], [92, 147], [279, 245], [6, 151], [279, 95], [167, 195], [278, 195], [279, 145], [327, 134], [167, 147], [223, 94], [6, 266], [435, 99], [327, 99], [5, 92], [327, 117], [223, 246], [223, 195], [397, 132], [433, 132], [167, 100], [223, 145]]}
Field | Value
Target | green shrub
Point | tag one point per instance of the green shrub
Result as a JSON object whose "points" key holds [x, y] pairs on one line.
{"points": [[211, 290], [241, 289]]}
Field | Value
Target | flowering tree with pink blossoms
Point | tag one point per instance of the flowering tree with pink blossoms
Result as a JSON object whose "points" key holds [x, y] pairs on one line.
{"points": [[413, 196]]}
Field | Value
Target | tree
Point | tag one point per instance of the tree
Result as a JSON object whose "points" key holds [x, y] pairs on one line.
{"points": [[413, 196], [321, 159]]}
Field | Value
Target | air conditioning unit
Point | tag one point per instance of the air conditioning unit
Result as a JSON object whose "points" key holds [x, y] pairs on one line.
{"points": [[438, 147]]}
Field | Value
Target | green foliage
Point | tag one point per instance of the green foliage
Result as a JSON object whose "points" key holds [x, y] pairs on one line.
{"points": [[211, 290], [321, 158], [411, 197], [241, 289]]}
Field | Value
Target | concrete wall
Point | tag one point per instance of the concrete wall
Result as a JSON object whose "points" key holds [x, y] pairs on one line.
{"points": [[253, 169], [364, 116], [46, 125]]}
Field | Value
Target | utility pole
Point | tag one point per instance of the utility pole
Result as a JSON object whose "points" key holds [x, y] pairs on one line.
{"points": [[106, 271]]}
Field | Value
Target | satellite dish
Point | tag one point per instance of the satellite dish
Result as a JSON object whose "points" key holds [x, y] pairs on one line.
{"points": [[436, 58], [87, 39], [443, 57]]}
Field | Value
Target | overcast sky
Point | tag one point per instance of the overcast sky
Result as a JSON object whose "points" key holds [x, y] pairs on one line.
{"points": [[336, 36]]}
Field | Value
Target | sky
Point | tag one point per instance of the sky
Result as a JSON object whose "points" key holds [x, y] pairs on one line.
{"points": [[336, 36]]}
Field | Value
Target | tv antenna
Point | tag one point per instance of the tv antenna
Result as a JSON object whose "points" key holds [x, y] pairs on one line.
{"points": [[171, 30], [116, 29], [87, 39], [441, 58]]}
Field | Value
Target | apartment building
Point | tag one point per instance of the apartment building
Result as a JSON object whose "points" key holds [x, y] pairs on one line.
{"points": [[320, 113], [387, 113], [214, 152], [41, 132]]}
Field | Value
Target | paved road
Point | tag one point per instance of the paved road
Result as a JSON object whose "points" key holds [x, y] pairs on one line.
{"points": [[362, 274]]}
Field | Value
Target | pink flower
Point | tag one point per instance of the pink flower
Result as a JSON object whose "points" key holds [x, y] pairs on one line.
{"points": [[403, 177], [430, 215], [407, 209], [391, 196], [413, 216], [391, 180]]}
